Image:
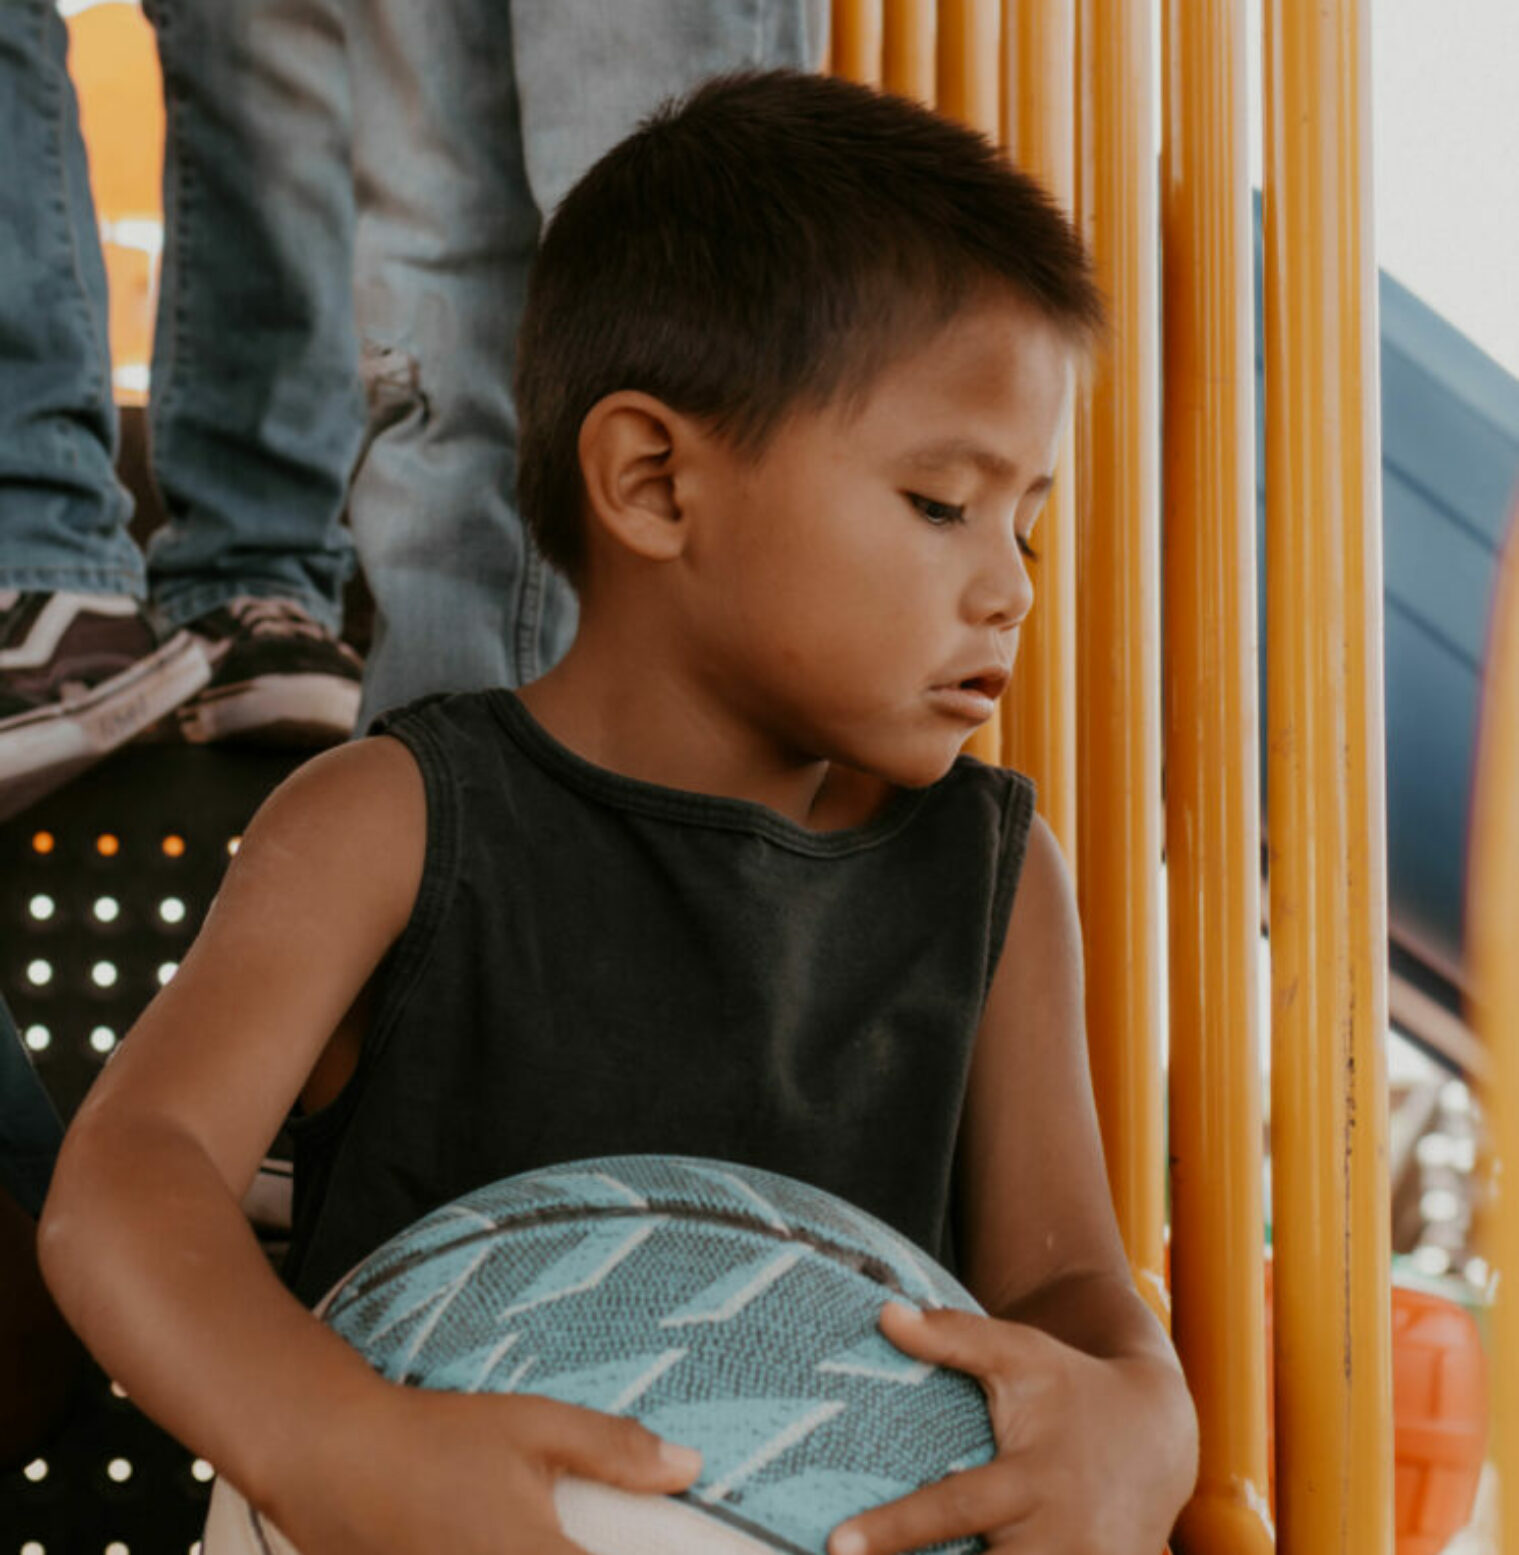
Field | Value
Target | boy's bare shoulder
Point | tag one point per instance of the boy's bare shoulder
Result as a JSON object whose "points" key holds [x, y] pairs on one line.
{"points": [[377, 771], [367, 791], [348, 826], [1043, 932]]}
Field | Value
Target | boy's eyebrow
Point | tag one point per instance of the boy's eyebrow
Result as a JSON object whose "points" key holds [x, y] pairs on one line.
{"points": [[959, 450]]}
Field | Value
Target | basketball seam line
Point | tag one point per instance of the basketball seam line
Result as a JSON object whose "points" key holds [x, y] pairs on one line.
{"points": [[861, 1263]]}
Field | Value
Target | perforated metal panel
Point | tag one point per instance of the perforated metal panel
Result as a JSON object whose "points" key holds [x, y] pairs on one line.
{"points": [[102, 887], [111, 1483]]}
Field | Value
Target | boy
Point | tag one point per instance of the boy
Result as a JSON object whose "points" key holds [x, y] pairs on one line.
{"points": [[791, 378]]}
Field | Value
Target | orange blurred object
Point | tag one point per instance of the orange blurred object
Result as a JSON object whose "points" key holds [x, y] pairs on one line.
{"points": [[114, 65], [107, 846], [174, 846], [42, 842], [1440, 1413], [1439, 1391]]}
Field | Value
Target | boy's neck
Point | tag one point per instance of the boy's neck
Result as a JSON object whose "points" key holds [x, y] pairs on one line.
{"points": [[658, 728]]}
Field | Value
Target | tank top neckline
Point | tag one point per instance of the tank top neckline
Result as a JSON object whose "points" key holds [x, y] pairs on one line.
{"points": [[677, 804]]}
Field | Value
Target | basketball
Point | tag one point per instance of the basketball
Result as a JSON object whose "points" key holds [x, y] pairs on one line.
{"points": [[725, 1308]]}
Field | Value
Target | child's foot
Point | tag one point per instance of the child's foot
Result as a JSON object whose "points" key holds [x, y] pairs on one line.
{"points": [[80, 674], [278, 677]]}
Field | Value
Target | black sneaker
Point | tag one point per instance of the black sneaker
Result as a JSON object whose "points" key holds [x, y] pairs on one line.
{"points": [[278, 678], [80, 674]]}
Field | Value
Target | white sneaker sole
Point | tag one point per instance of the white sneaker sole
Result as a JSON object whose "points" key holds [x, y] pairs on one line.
{"points": [[41, 751], [297, 710]]}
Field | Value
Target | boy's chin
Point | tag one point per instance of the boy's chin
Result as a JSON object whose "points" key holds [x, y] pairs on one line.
{"points": [[923, 767], [905, 757]]}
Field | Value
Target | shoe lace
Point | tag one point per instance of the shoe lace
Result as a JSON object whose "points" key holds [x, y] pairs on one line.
{"points": [[274, 618]]}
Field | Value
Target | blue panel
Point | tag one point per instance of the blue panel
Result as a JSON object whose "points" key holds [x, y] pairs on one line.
{"points": [[1450, 473], [1431, 725], [1439, 571]]}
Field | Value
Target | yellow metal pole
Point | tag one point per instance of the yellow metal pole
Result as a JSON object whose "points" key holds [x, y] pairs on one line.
{"points": [[968, 82], [1039, 710], [908, 54], [969, 63], [855, 41], [1326, 789], [1492, 912], [1212, 782], [1118, 738]]}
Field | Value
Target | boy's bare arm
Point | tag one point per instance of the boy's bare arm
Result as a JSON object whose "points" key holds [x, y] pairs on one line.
{"points": [[1039, 1231], [145, 1246], [143, 1241], [1096, 1432]]}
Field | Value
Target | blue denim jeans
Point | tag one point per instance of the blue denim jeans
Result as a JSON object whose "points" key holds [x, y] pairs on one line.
{"points": [[471, 121], [255, 416]]}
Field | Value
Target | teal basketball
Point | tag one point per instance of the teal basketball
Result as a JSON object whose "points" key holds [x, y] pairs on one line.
{"points": [[726, 1308]]}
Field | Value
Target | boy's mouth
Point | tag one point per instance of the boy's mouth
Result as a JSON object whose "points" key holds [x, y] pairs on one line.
{"points": [[987, 683], [974, 696]]}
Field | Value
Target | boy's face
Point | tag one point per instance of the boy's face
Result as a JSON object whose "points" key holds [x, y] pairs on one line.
{"points": [[865, 578]]}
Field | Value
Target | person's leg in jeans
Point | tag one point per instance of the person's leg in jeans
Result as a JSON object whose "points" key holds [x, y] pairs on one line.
{"points": [[256, 412], [472, 119], [81, 667]]}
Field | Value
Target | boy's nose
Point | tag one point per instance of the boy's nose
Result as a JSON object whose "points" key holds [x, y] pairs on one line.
{"points": [[1001, 593]]}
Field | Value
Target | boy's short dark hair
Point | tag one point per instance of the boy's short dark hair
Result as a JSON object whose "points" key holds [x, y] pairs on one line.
{"points": [[771, 241]]}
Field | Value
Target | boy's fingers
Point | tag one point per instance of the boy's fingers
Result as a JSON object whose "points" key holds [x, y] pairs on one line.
{"points": [[608, 1448], [965, 1341], [979, 1501]]}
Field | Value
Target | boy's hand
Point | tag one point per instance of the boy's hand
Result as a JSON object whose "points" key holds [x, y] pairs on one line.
{"points": [[1071, 1474], [470, 1474]]}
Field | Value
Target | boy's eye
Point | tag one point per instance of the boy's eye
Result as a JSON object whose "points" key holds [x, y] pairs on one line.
{"points": [[937, 512], [945, 513]]}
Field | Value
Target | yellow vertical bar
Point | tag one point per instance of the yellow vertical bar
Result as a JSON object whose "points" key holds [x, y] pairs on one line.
{"points": [[1212, 773], [968, 81], [1039, 710], [1492, 912], [855, 41], [908, 54], [1326, 789], [1118, 633], [969, 63]]}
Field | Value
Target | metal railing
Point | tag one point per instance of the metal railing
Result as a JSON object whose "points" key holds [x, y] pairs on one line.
{"points": [[1067, 87]]}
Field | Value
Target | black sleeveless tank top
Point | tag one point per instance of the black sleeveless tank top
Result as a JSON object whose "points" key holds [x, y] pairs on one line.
{"points": [[596, 965]]}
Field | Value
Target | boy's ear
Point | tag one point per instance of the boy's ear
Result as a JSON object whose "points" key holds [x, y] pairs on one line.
{"points": [[631, 449]]}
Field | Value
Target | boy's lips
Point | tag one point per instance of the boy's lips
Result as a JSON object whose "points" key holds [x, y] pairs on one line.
{"points": [[974, 694]]}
